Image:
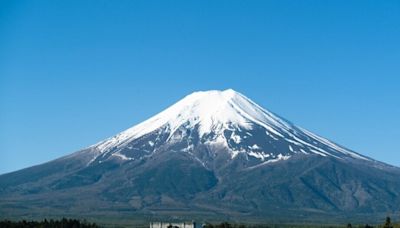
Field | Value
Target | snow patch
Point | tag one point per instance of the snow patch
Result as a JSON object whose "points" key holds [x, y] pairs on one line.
{"points": [[254, 147], [280, 157], [236, 138], [260, 155], [121, 156]]}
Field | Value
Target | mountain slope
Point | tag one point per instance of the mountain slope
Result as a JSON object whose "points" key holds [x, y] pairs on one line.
{"points": [[214, 154]]}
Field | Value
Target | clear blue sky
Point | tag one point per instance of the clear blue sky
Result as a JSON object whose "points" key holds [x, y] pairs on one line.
{"points": [[75, 72]]}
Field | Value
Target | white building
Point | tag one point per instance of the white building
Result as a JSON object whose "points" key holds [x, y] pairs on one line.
{"points": [[173, 225]]}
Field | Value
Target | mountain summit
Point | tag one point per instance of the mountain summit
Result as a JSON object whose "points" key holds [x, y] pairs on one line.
{"points": [[212, 155], [226, 119]]}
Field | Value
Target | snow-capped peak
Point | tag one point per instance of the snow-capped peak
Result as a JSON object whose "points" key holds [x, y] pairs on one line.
{"points": [[208, 109], [217, 111]]}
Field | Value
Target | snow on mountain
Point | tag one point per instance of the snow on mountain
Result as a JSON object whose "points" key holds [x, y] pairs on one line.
{"points": [[217, 112]]}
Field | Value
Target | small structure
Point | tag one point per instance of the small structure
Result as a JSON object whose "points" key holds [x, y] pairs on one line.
{"points": [[173, 225]]}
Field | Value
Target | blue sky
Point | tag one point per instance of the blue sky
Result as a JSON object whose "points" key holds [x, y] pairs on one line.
{"points": [[75, 72]]}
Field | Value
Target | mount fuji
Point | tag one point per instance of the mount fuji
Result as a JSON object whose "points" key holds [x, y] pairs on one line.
{"points": [[213, 155]]}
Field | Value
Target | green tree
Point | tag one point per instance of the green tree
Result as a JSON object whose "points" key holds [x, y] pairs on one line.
{"points": [[388, 223], [224, 225]]}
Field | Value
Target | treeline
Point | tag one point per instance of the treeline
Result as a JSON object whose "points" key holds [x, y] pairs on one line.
{"points": [[228, 225], [74, 223], [63, 223], [224, 225], [387, 224]]}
